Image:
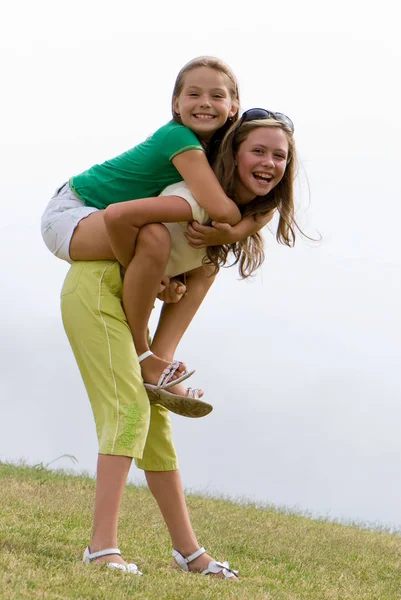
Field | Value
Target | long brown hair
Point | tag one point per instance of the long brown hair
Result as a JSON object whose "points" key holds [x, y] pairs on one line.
{"points": [[248, 253]]}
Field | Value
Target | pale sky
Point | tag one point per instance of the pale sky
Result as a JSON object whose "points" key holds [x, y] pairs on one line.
{"points": [[302, 364]]}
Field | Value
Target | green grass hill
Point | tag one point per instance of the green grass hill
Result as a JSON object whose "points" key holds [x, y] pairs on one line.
{"points": [[45, 521]]}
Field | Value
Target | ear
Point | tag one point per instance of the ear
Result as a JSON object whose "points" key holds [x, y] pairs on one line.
{"points": [[233, 111], [176, 106]]}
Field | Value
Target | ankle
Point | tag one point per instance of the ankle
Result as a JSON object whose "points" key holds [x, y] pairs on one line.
{"points": [[163, 353], [187, 551], [96, 545], [143, 353]]}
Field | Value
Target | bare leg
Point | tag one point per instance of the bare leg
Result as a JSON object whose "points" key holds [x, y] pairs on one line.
{"points": [[111, 233], [112, 473], [166, 487], [90, 240], [175, 318], [142, 280], [124, 220], [141, 286]]}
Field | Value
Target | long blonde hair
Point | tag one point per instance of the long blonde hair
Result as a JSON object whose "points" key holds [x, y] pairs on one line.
{"points": [[249, 253]]}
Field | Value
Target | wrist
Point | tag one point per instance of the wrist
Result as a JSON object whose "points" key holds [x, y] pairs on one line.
{"points": [[229, 238]]}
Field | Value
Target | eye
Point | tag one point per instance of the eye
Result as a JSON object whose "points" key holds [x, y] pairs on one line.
{"points": [[193, 94], [218, 96], [280, 156], [257, 151]]}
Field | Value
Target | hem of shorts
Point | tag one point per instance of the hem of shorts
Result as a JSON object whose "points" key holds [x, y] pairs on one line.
{"points": [[152, 466], [120, 451]]}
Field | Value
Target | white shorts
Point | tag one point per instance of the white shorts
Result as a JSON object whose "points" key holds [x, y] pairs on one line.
{"points": [[62, 215]]}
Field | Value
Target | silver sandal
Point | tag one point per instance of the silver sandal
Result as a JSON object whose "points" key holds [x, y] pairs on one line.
{"points": [[214, 568], [130, 568]]}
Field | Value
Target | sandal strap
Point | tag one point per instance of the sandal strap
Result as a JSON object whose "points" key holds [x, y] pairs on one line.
{"points": [[166, 378], [142, 357], [183, 562], [193, 393], [217, 567], [168, 374], [195, 555], [106, 552]]}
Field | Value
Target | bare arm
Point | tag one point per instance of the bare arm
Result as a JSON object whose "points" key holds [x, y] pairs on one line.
{"points": [[203, 183], [176, 317], [169, 209], [220, 234]]}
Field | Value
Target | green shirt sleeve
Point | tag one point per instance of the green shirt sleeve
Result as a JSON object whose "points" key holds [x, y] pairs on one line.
{"points": [[179, 139]]}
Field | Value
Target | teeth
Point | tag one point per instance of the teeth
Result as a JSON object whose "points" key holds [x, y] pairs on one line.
{"points": [[263, 176], [205, 117]]}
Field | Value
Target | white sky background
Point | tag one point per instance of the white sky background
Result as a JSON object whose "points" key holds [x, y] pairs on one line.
{"points": [[303, 363]]}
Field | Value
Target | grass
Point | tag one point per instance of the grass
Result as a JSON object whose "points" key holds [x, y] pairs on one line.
{"points": [[45, 520]]}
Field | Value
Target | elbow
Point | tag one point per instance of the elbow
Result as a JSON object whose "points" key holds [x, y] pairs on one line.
{"points": [[230, 215]]}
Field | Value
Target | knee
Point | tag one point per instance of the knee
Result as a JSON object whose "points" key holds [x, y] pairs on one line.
{"points": [[113, 215], [154, 239]]}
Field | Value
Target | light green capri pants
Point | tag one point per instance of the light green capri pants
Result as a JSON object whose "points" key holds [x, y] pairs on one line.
{"points": [[96, 326]]}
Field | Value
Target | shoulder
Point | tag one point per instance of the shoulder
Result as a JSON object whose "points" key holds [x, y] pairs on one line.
{"points": [[182, 190], [178, 189], [173, 139], [175, 131]]}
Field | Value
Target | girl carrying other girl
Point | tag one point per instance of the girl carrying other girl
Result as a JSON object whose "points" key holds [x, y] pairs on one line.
{"points": [[257, 164]]}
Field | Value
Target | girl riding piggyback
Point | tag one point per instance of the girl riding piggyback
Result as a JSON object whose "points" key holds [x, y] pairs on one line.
{"points": [[205, 103]]}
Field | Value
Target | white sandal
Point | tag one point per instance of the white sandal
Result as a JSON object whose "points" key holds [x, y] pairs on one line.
{"points": [[165, 380], [187, 406], [130, 568], [214, 568]]}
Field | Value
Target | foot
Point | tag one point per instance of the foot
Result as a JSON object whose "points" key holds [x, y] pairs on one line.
{"points": [[153, 366], [182, 390], [112, 559], [201, 563], [115, 558]]}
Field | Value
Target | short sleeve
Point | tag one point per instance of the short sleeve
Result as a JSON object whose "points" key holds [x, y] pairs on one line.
{"points": [[180, 139], [181, 189]]}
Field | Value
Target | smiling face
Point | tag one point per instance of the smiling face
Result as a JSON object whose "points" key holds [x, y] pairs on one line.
{"points": [[204, 103], [261, 162]]}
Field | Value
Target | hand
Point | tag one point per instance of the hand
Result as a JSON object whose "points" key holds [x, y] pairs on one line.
{"points": [[171, 290], [200, 236]]}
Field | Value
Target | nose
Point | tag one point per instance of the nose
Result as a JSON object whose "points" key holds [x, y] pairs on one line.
{"points": [[205, 101], [268, 160]]}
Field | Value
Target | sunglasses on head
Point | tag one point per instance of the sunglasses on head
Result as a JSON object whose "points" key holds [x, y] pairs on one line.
{"points": [[255, 114]]}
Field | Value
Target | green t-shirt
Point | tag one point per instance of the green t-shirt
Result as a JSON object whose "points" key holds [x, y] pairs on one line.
{"points": [[141, 172]]}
